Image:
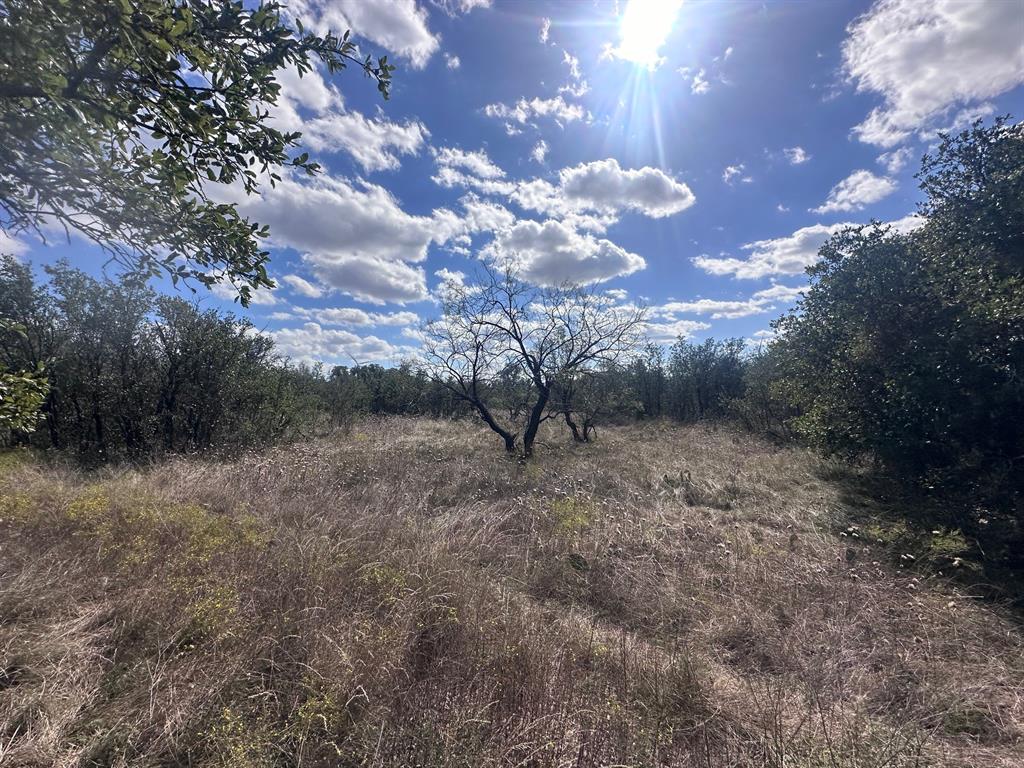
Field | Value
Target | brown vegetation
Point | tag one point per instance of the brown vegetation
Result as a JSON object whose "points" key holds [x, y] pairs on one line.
{"points": [[401, 595]]}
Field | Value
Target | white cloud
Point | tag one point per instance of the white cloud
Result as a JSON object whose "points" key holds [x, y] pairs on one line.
{"points": [[313, 343], [545, 30], [576, 90], [308, 91], [717, 308], [302, 286], [329, 214], [12, 245], [731, 172], [605, 187], [574, 64], [670, 330], [894, 161], [353, 316], [962, 119], [259, 297], [522, 111], [758, 304], [369, 278], [858, 189], [908, 223], [539, 151], [618, 294], [477, 163], [796, 155], [781, 208], [700, 83], [779, 292], [374, 143], [355, 239], [455, 7], [925, 58], [553, 253], [788, 255], [452, 61], [397, 25]]}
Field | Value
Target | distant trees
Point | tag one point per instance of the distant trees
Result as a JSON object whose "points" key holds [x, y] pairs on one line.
{"points": [[502, 333], [129, 375], [119, 118]]}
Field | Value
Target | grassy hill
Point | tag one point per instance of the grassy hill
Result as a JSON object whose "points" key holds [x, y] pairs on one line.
{"points": [[406, 595]]}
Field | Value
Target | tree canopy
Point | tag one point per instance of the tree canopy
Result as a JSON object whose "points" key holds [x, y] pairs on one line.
{"points": [[120, 119], [908, 348]]}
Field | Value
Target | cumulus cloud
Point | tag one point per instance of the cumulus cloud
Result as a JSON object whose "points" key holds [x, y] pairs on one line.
{"points": [[796, 155], [524, 110], [759, 303], [700, 83], [397, 25], [925, 58], [574, 64], [309, 105], [260, 297], [605, 187], [302, 286], [11, 245], [732, 172], [355, 238], [717, 308], [369, 278], [374, 143], [452, 61], [308, 91], [312, 343], [858, 189], [894, 161], [788, 255], [455, 7], [353, 316], [545, 30], [477, 163], [552, 253], [670, 330], [539, 151]]}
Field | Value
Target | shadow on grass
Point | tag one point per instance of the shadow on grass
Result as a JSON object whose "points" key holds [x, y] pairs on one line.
{"points": [[979, 548]]}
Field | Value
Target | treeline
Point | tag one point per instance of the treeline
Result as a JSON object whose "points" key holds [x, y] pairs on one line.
{"points": [[133, 375]]}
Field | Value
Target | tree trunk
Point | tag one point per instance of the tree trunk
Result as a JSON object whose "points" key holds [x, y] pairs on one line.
{"points": [[536, 414], [576, 436], [508, 437]]}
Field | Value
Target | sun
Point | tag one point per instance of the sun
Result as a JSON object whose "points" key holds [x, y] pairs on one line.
{"points": [[643, 29]]}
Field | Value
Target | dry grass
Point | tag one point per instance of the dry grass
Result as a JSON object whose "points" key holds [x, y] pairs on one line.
{"points": [[406, 595]]}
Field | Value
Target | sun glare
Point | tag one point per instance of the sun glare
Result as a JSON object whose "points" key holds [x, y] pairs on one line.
{"points": [[643, 29]]}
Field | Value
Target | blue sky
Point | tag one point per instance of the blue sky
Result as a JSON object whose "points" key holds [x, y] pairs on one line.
{"points": [[697, 173]]}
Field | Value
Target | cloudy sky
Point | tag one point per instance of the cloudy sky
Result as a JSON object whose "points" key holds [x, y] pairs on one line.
{"points": [[690, 155]]}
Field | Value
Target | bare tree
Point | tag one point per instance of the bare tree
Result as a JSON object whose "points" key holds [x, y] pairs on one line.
{"points": [[499, 322]]}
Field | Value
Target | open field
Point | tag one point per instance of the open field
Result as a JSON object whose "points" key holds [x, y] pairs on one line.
{"points": [[406, 595]]}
